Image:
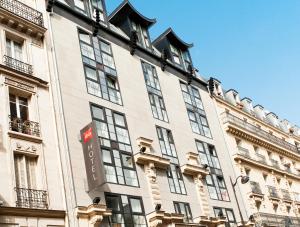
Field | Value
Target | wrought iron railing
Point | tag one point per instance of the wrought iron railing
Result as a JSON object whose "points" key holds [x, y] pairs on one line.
{"points": [[264, 219], [273, 192], [297, 197], [255, 188], [285, 194], [261, 158], [24, 126], [275, 163], [243, 151], [17, 65], [24, 11], [31, 198], [227, 117]]}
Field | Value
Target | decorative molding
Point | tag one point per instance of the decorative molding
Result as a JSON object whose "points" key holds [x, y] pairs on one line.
{"points": [[19, 84], [93, 214], [26, 137], [28, 212], [147, 158], [26, 147]]}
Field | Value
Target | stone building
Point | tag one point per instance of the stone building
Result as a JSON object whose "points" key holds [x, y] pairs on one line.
{"points": [[31, 188], [163, 159], [267, 150]]}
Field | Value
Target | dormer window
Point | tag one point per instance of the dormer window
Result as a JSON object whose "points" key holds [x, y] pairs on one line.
{"points": [[175, 55], [97, 4], [143, 38], [80, 6], [186, 59]]}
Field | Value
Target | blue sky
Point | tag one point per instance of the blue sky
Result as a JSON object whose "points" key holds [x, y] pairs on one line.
{"points": [[252, 46]]}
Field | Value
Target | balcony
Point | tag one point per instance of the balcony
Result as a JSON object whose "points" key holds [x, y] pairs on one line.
{"points": [[286, 196], [256, 192], [244, 152], [20, 9], [24, 126], [258, 132], [273, 193], [275, 163], [297, 198], [261, 158], [264, 219], [31, 198], [17, 65]]}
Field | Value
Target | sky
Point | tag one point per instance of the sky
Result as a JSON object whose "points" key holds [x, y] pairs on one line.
{"points": [[252, 46]]}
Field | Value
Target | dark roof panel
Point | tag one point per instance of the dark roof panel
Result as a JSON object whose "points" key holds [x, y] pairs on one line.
{"points": [[171, 35], [127, 9]]}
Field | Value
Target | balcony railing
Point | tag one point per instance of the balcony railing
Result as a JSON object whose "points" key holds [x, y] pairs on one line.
{"points": [[243, 151], [31, 198], [275, 163], [227, 117], [23, 11], [273, 192], [24, 126], [264, 219], [17, 65], [255, 188], [285, 194], [260, 158]]}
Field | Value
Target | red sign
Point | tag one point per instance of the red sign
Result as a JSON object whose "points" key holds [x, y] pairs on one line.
{"points": [[87, 135]]}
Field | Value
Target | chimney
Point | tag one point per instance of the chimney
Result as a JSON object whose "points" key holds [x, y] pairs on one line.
{"points": [[259, 112], [285, 125], [232, 96], [273, 119], [247, 103]]}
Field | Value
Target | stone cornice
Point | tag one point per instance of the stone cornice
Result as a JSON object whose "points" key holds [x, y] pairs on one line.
{"points": [[238, 157], [146, 158], [238, 110], [27, 212], [256, 140]]}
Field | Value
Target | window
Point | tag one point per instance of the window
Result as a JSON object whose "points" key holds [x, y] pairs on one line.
{"points": [[184, 208], [195, 110], [228, 213], [80, 6], [142, 34], [18, 107], [126, 210], [186, 59], [175, 54], [25, 171], [168, 150], [115, 145], [97, 4], [99, 67], [154, 92], [14, 49], [215, 181]]}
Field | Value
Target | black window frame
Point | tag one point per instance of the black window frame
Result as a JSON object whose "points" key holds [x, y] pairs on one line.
{"points": [[115, 144], [155, 91], [174, 162], [102, 71], [122, 212], [140, 34], [187, 210], [224, 210], [201, 120], [216, 175]]}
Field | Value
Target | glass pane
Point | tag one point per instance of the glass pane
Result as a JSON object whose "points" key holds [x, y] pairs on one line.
{"points": [[113, 202], [106, 156], [136, 205], [91, 73], [87, 51], [119, 120], [97, 113], [127, 160], [105, 47]]}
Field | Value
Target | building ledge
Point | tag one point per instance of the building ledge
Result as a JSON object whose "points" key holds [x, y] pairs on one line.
{"points": [[92, 211], [161, 218], [256, 196], [26, 137], [146, 158], [23, 76], [249, 160], [211, 221], [194, 170], [28, 212], [21, 24]]}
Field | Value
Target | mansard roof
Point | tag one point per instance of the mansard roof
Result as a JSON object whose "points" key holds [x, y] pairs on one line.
{"points": [[127, 9], [171, 35]]}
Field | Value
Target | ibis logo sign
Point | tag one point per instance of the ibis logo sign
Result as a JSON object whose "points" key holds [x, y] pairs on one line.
{"points": [[91, 151]]}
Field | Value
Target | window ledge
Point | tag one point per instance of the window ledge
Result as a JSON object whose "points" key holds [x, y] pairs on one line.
{"points": [[26, 137], [194, 170], [146, 158]]}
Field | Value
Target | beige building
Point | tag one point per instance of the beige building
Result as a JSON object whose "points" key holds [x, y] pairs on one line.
{"points": [[31, 192], [267, 150], [163, 159]]}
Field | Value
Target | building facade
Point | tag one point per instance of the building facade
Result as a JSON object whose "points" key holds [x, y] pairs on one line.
{"points": [[31, 191], [162, 160], [267, 150]]}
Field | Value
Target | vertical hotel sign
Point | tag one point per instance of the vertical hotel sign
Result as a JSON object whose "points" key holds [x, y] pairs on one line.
{"points": [[91, 150]]}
